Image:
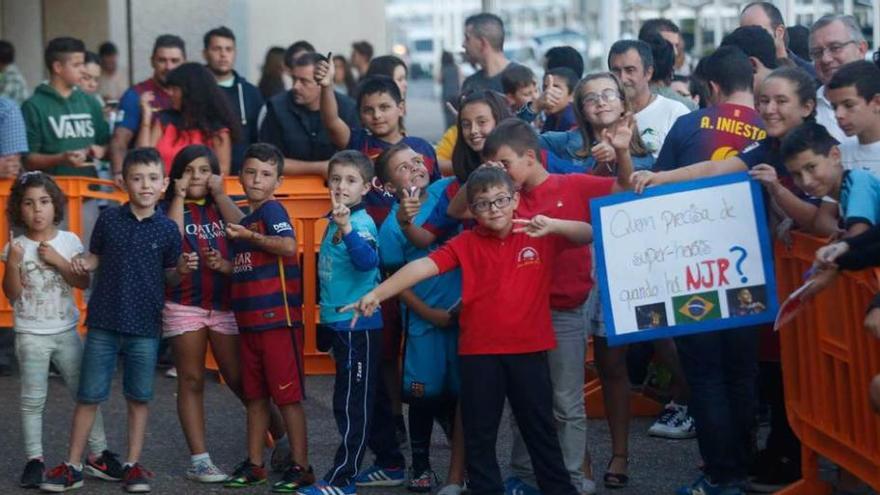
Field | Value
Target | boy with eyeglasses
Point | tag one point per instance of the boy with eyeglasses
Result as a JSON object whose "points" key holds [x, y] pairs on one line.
{"points": [[505, 325]]}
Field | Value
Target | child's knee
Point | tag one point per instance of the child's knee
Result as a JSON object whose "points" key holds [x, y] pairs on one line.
{"points": [[193, 383]]}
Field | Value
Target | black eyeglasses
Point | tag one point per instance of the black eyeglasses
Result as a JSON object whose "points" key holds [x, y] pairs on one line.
{"points": [[498, 203]]}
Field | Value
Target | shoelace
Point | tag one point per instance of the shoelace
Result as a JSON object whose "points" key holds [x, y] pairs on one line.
{"points": [[138, 471], [61, 469]]}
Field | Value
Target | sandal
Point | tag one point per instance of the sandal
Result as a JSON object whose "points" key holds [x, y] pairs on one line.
{"points": [[616, 480]]}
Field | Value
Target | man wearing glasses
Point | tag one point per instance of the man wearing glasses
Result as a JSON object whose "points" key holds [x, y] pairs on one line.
{"points": [[835, 40]]}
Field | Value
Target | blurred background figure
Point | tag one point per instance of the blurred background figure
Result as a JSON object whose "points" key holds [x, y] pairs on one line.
{"points": [[345, 82], [272, 78], [361, 54], [12, 82], [112, 82], [450, 84]]}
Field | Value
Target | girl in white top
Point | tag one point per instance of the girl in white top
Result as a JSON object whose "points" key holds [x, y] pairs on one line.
{"points": [[39, 283]]}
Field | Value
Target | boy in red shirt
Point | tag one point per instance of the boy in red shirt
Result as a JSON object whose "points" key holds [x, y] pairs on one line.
{"points": [[505, 325], [514, 145]]}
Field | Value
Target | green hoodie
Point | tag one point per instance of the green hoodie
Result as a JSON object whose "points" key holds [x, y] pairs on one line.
{"points": [[56, 124]]}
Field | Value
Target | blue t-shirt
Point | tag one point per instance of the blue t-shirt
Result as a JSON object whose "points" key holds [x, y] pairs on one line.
{"points": [[441, 291], [129, 290], [378, 202], [129, 113], [348, 268], [859, 198], [562, 121]]}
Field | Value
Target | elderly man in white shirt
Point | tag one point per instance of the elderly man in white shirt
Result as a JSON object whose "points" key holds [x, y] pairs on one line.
{"points": [[835, 40]]}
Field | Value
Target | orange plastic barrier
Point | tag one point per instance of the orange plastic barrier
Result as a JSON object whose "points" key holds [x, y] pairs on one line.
{"points": [[828, 360], [640, 405]]}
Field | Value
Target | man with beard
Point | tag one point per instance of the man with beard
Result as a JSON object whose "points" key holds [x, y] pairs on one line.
{"points": [[292, 120], [244, 97], [169, 52]]}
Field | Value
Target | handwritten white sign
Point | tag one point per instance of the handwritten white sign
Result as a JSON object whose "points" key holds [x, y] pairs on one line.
{"points": [[683, 260]]}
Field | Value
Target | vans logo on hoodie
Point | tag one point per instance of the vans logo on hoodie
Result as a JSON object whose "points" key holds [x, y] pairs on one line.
{"points": [[75, 125]]}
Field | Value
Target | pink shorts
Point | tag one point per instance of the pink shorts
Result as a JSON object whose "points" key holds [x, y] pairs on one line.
{"points": [[178, 319]]}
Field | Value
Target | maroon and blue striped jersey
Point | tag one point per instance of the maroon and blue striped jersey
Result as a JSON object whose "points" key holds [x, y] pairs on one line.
{"points": [[266, 288], [203, 230]]}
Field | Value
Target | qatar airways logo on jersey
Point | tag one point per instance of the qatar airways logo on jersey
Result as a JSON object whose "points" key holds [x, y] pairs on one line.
{"points": [[206, 231], [243, 263], [527, 256], [74, 125]]}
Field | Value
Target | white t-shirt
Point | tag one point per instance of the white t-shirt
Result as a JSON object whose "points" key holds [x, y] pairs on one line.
{"points": [[861, 156], [825, 116], [656, 119], [46, 305]]}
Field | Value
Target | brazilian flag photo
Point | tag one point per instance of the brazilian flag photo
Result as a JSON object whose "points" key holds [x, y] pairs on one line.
{"points": [[696, 308]]}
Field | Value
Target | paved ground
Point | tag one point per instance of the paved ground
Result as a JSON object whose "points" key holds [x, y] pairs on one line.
{"points": [[657, 466]]}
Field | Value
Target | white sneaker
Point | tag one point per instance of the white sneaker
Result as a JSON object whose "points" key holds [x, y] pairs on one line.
{"points": [[588, 487], [206, 472], [171, 372], [452, 489], [674, 423]]}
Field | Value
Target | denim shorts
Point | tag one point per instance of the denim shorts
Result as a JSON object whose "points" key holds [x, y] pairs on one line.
{"points": [[139, 356], [594, 314]]}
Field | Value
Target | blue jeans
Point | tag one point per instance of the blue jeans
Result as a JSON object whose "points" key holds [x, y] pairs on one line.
{"points": [[721, 368], [139, 355]]}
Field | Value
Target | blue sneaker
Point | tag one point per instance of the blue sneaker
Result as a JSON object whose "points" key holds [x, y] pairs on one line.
{"points": [[376, 476], [704, 487], [321, 487], [516, 486]]}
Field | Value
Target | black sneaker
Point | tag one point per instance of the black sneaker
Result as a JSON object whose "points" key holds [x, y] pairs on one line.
{"points": [[106, 467], [136, 478], [33, 474], [778, 474], [294, 478], [246, 474]]}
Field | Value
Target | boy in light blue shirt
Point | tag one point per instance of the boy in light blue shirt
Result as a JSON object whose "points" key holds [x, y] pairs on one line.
{"points": [[348, 268], [430, 359]]}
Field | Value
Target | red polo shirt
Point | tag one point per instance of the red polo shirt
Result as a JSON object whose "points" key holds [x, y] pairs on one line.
{"points": [[567, 197], [505, 309]]}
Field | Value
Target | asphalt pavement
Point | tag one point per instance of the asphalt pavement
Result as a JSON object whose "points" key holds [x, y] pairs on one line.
{"points": [[657, 466]]}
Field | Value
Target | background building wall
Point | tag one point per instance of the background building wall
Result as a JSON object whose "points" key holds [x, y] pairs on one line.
{"points": [[331, 25]]}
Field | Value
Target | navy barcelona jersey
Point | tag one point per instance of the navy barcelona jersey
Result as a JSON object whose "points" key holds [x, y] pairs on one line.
{"points": [[204, 288], [266, 288]]}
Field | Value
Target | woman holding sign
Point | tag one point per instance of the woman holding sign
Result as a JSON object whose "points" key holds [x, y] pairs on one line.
{"points": [[600, 106]]}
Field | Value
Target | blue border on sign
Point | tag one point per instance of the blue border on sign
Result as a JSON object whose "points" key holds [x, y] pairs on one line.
{"points": [[764, 241]]}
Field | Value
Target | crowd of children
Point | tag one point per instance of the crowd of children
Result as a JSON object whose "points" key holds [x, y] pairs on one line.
{"points": [[486, 273]]}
